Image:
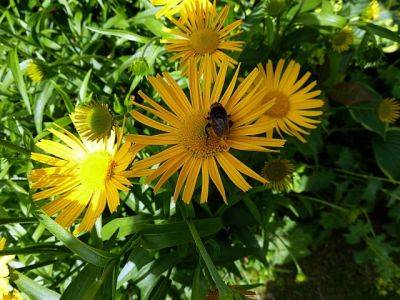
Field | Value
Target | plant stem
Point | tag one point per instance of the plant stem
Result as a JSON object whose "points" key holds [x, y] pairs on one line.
{"points": [[323, 202], [13, 147]]}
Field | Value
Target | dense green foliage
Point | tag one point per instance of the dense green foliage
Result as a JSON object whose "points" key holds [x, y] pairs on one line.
{"points": [[346, 179]]}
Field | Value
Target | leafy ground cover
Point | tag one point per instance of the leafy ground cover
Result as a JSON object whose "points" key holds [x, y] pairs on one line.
{"points": [[122, 216]]}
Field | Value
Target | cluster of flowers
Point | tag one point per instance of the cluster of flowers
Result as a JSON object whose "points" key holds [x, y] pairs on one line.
{"points": [[198, 129]]}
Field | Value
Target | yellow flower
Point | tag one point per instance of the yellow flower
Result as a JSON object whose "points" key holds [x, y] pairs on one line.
{"points": [[279, 174], [14, 295], [35, 70], [4, 273], [388, 110], [93, 121], [342, 40], [294, 104], [81, 175], [372, 11], [202, 36], [194, 147], [172, 7]]}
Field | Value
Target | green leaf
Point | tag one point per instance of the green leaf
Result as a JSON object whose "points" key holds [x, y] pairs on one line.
{"points": [[321, 19], [94, 256], [4, 221], [83, 90], [83, 284], [32, 289], [92, 283], [151, 273], [65, 97], [173, 234], [13, 63], [62, 122], [380, 31], [222, 287], [253, 209], [387, 153], [125, 226], [121, 33], [40, 104]]}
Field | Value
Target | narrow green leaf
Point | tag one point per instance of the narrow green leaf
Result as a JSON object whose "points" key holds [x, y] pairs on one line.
{"points": [[13, 63], [169, 235], [380, 31], [222, 288], [94, 256], [65, 97], [125, 226], [4, 221], [121, 33], [40, 104], [321, 19], [253, 209], [32, 289], [387, 153], [84, 87], [62, 122], [83, 283]]}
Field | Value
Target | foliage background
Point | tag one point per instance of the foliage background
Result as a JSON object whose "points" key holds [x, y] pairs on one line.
{"points": [[346, 184]]}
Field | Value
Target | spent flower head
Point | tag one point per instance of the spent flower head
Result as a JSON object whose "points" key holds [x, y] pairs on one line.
{"points": [[93, 121]]}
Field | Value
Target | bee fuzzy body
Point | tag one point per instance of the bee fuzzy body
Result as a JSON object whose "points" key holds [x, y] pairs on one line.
{"points": [[218, 120]]}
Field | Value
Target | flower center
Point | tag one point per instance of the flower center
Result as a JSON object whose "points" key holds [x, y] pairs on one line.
{"points": [[194, 138], [99, 119], [96, 169], [204, 41], [340, 38], [276, 171], [281, 106]]}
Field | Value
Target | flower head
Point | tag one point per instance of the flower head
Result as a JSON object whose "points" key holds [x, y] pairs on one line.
{"points": [[202, 36], [388, 110], [295, 105], [93, 121], [6, 291], [36, 70], [140, 67], [279, 174], [372, 11], [172, 7], [196, 146], [342, 40], [81, 174]]}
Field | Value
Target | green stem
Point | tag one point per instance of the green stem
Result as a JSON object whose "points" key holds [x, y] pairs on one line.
{"points": [[13, 147], [148, 44], [368, 177], [224, 291], [323, 202]]}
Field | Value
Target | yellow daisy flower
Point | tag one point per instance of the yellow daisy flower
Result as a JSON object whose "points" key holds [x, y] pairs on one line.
{"points": [[279, 174], [172, 7], [203, 36], [295, 105], [372, 11], [196, 147], [342, 40], [5, 288], [35, 70], [388, 110], [81, 175], [93, 121]]}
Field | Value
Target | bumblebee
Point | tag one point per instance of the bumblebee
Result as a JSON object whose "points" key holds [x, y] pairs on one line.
{"points": [[218, 120]]}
